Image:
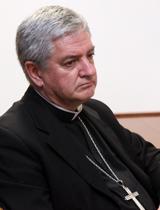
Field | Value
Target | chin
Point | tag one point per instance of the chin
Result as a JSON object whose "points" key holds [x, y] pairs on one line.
{"points": [[86, 98], [84, 95]]}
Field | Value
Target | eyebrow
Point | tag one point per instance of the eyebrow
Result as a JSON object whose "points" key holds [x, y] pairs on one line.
{"points": [[72, 56], [92, 49]]}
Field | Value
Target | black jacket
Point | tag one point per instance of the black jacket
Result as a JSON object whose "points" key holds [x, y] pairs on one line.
{"points": [[39, 170]]}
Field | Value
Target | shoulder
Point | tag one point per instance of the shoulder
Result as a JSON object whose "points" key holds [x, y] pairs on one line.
{"points": [[16, 121], [12, 115], [104, 112], [96, 104]]}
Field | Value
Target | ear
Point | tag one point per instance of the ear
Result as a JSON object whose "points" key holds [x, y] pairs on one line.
{"points": [[34, 73]]}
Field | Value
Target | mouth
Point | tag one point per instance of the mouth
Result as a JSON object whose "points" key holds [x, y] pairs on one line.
{"points": [[87, 85]]}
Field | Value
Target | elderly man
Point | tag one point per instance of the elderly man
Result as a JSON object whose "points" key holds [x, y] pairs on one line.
{"points": [[60, 149]]}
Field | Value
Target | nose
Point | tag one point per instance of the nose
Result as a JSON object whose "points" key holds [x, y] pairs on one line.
{"points": [[86, 68]]}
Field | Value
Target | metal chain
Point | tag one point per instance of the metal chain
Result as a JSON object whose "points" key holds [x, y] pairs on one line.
{"points": [[115, 177]]}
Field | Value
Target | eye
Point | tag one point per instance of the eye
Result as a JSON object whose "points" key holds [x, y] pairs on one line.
{"points": [[90, 57], [69, 63]]}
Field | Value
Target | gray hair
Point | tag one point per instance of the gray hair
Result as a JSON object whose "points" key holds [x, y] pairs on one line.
{"points": [[36, 34]]}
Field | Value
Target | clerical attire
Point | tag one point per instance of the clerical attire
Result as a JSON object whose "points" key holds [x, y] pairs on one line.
{"points": [[73, 123], [56, 159]]}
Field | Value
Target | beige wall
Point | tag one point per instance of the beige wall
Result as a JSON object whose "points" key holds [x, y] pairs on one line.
{"points": [[147, 126]]}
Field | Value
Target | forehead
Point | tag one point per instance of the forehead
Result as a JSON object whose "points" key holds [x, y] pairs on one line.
{"points": [[78, 42]]}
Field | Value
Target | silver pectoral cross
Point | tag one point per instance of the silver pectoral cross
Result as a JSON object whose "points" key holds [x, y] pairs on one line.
{"points": [[133, 197]]}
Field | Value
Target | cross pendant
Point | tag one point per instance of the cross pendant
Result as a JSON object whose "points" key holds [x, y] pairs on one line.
{"points": [[133, 197]]}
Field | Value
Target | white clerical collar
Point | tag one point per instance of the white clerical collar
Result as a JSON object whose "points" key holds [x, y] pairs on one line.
{"points": [[75, 113]]}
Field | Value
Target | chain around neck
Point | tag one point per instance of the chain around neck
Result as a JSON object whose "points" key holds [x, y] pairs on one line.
{"points": [[114, 177]]}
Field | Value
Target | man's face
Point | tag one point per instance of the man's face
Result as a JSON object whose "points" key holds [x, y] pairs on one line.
{"points": [[70, 78]]}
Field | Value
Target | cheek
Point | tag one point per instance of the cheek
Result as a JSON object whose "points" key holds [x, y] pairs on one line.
{"points": [[69, 81], [63, 85], [64, 82], [68, 85]]}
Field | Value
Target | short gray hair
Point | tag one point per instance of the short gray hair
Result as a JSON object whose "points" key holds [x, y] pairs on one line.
{"points": [[36, 34]]}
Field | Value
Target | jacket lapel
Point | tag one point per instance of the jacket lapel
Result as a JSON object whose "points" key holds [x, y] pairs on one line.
{"points": [[62, 142], [104, 129]]}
